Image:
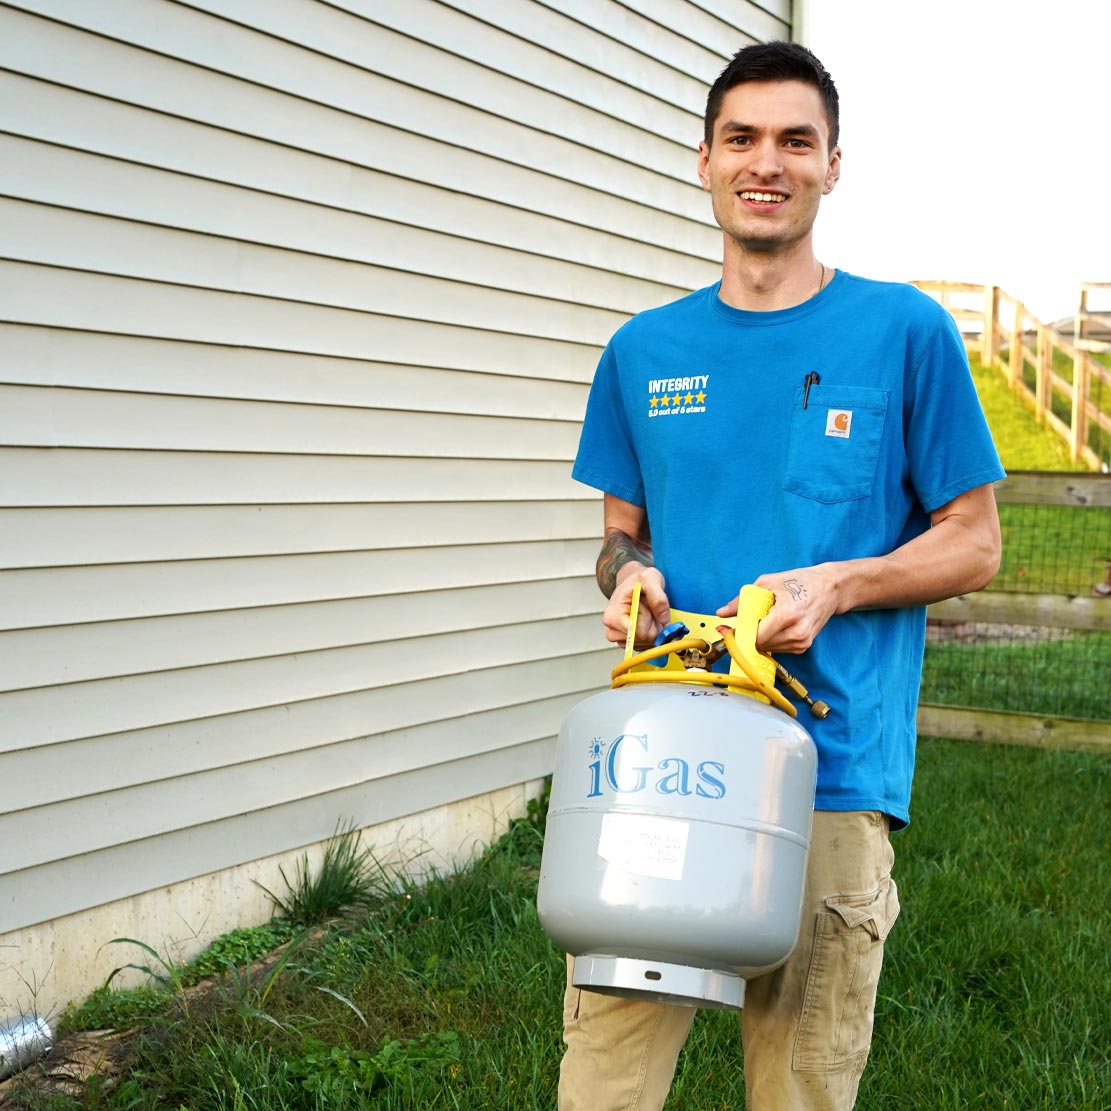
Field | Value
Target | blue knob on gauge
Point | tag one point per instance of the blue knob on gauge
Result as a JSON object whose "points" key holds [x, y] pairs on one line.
{"points": [[675, 631]]}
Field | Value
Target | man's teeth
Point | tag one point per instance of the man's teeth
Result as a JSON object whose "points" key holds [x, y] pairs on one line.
{"points": [[763, 198]]}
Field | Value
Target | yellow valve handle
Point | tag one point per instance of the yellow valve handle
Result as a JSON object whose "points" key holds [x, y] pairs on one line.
{"points": [[753, 604], [634, 610]]}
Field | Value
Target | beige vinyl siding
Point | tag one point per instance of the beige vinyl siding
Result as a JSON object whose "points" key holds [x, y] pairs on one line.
{"points": [[112, 534], [299, 305], [71, 770]]}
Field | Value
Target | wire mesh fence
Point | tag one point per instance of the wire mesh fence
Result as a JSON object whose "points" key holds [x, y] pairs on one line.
{"points": [[1038, 641]]}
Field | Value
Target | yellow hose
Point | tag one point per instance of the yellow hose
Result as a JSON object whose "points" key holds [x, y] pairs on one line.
{"points": [[622, 674], [695, 643], [766, 689], [698, 678]]}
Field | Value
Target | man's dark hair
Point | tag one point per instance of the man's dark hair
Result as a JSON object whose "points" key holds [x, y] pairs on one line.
{"points": [[775, 61]]}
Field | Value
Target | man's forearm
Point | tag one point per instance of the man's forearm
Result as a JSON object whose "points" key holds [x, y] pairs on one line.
{"points": [[958, 555], [618, 549]]}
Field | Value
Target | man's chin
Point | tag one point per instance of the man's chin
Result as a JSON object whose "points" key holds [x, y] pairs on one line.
{"points": [[761, 244]]}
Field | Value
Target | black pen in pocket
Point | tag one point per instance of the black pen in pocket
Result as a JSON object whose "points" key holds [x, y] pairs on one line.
{"points": [[812, 379]]}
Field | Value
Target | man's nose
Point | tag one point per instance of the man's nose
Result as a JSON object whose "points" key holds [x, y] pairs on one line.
{"points": [[766, 161]]}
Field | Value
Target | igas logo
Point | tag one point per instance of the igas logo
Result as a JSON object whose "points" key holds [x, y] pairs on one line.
{"points": [[614, 765]]}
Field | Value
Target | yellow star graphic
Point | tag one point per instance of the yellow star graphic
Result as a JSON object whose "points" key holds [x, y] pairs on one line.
{"points": [[653, 401], [665, 401], [689, 398], [700, 397]]}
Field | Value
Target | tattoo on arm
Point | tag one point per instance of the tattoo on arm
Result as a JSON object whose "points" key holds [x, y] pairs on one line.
{"points": [[795, 589], [619, 548]]}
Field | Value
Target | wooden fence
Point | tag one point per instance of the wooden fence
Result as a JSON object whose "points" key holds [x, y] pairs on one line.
{"points": [[1058, 611], [999, 328]]}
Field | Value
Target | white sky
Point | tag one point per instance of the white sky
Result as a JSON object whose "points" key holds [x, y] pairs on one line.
{"points": [[976, 139]]}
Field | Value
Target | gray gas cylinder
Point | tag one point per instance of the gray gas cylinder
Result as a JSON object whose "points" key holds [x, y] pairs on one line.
{"points": [[676, 844]]}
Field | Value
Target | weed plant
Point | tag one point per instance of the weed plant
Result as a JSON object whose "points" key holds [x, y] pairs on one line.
{"points": [[996, 990], [122, 1008], [348, 876]]}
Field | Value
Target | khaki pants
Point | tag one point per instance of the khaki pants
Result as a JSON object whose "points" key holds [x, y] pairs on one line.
{"points": [[806, 1027]]}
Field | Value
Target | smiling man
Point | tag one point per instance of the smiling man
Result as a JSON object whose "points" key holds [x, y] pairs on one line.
{"points": [[818, 434]]}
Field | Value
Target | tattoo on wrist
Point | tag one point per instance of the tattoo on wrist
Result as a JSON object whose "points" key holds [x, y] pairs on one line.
{"points": [[795, 589], [618, 548]]}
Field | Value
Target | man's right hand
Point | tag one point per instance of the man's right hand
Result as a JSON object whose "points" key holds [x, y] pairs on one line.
{"points": [[653, 613]]}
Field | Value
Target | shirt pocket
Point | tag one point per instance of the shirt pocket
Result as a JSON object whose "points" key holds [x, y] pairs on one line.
{"points": [[833, 449]]}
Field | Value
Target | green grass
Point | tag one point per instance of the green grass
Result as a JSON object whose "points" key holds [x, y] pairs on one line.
{"points": [[118, 1009], [996, 991], [1053, 549], [1064, 677]]}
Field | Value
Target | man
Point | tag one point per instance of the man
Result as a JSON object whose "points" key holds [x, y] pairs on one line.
{"points": [[817, 434]]}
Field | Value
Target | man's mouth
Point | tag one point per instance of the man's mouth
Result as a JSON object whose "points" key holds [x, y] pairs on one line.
{"points": [[763, 198]]}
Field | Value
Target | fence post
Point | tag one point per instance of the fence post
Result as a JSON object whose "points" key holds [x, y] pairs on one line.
{"points": [[1078, 441], [1045, 365], [991, 316], [1080, 321], [1016, 347]]}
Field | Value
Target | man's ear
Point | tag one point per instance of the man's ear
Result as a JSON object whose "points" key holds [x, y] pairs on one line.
{"points": [[704, 164], [833, 174]]}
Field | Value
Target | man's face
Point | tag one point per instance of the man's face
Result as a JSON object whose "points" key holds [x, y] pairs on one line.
{"points": [[769, 164]]}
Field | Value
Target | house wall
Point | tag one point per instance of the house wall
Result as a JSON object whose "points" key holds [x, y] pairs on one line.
{"points": [[300, 304]]}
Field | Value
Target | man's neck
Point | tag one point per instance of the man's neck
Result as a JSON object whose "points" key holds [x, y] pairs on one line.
{"points": [[765, 282]]}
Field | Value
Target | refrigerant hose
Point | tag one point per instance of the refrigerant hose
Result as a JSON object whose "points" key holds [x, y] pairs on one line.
{"points": [[750, 681]]}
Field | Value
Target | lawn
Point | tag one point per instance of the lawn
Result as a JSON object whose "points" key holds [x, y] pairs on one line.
{"points": [[996, 991], [1049, 672]]}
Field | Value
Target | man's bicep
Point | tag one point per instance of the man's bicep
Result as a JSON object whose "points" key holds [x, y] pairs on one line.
{"points": [[971, 521], [627, 517], [975, 508]]}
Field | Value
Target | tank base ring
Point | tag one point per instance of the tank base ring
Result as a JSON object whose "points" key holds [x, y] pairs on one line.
{"points": [[659, 982]]}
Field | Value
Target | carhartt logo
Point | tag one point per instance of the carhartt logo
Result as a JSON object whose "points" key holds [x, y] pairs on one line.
{"points": [[839, 422]]}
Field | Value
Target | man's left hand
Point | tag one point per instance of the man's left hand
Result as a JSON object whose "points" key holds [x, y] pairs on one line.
{"points": [[805, 599]]}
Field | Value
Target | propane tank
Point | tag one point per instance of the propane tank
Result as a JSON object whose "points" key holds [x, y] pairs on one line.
{"points": [[679, 823]]}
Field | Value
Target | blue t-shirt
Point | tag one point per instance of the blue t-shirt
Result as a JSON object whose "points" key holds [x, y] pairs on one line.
{"points": [[700, 413]]}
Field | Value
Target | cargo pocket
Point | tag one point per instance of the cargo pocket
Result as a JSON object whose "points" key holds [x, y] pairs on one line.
{"points": [[835, 1029], [834, 447]]}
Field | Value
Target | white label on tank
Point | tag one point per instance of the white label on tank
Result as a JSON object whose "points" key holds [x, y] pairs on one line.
{"points": [[644, 845]]}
